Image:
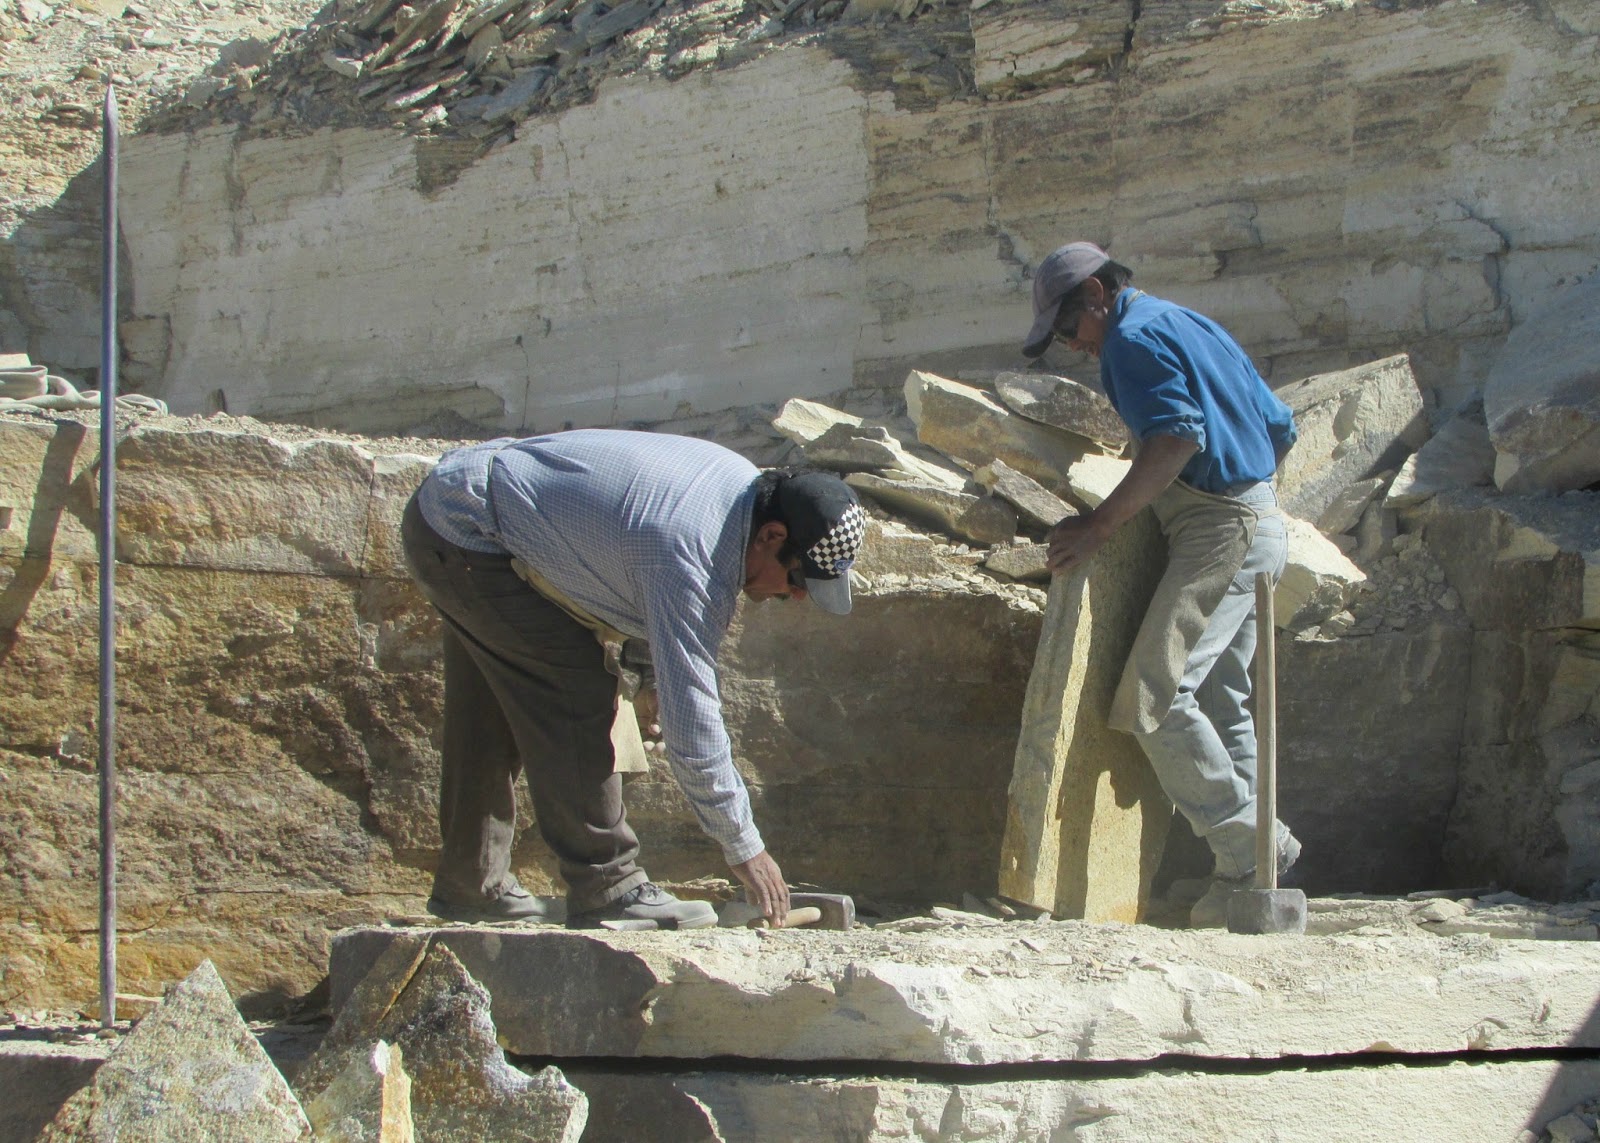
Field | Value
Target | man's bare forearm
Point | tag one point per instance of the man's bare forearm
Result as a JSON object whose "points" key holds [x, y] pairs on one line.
{"points": [[1156, 466]]}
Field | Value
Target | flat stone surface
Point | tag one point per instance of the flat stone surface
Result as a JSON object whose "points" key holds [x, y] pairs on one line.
{"points": [[1009, 993]]}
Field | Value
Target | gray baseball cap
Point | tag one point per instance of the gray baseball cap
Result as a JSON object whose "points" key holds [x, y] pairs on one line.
{"points": [[1063, 270]]}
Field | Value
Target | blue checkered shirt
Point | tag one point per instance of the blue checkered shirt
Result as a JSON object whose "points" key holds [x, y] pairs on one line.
{"points": [[647, 532]]}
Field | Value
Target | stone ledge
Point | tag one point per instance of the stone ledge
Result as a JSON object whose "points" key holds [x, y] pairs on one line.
{"points": [[1013, 993]]}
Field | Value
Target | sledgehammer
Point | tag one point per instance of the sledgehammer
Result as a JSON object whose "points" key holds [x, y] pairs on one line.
{"points": [[812, 910], [1266, 908]]}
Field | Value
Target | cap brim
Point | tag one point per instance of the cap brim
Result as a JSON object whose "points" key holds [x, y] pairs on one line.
{"points": [[1042, 333], [832, 595]]}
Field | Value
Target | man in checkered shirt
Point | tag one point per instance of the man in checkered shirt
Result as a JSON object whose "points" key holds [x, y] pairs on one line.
{"points": [[538, 553]]}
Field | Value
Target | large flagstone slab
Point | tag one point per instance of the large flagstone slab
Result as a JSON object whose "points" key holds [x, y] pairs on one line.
{"points": [[1008, 993]]}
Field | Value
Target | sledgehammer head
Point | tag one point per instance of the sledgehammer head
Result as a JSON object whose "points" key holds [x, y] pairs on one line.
{"points": [[1267, 911], [838, 909]]}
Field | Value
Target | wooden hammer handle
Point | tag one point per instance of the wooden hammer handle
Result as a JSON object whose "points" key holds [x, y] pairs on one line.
{"points": [[809, 915]]}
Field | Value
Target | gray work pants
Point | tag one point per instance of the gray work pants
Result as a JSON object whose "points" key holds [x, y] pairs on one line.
{"points": [[525, 689], [1203, 749]]}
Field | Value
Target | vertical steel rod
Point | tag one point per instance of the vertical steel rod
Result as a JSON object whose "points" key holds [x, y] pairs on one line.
{"points": [[1266, 714], [108, 565]]}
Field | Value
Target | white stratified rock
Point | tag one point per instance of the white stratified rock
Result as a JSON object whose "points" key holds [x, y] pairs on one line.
{"points": [[189, 1070], [1316, 580], [1542, 396], [1009, 993], [1353, 424]]}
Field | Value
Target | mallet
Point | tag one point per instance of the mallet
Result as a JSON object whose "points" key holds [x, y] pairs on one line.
{"points": [[1266, 908]]}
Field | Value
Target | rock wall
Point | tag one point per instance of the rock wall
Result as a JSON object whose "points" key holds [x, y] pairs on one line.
{"points": [[1333, 181]]}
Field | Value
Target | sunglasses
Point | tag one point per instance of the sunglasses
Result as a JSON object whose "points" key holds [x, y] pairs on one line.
{"points": [[1067, 318], [797, 576]]}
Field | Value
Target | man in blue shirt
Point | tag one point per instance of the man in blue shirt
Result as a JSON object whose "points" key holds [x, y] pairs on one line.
{"points": [[1209, 436], [576, 569]]}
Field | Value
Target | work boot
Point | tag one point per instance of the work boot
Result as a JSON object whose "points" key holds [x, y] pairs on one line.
{"points": [[647, 906], [1211, 911], [513, 904]]}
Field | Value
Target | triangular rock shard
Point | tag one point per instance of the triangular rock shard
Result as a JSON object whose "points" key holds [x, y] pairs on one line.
{"points": [[190, 1070]]}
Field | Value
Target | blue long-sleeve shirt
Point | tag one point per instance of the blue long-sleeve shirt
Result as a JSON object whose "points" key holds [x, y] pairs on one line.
{"points": [[1172, 372], [647, 532]]}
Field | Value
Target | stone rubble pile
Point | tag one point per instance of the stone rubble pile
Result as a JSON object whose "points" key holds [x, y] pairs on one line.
{"points": [[475, 70]]}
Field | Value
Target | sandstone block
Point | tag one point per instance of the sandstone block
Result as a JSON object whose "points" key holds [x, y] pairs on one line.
{"points": [[1036, 505], [983, 519], [232, 500], [1092, 478], [1353, 424], [1520, 562], [49, 495], [1345, 511], [1542, 396], [1019, 561], [966, 423], [804, 421], [980, 995], [1316, 580], [191, 1069], [418, 997], [1064, 404], [1380, 1101], [1086, 819], [1459, 455]]}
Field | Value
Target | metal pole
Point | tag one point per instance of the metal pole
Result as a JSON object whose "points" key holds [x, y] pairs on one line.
{"points": [[1266, 737], [108, 568]]}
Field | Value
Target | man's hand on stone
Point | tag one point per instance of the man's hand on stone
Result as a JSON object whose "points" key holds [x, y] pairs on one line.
{"points": [[1071, 542], [764, 886]]}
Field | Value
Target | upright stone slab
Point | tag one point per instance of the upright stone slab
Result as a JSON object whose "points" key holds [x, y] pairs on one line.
{"points": [[190, 1070], [1086, 819], [368, 1102]]}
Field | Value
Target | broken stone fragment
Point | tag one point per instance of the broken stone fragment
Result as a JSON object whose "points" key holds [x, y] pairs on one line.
{"points": [[967, 424], [341, 65], [189, 1070], [982, 519], [368, 1102], [1316, 580], [1348, 504], [1093, 477], [418, 997], [1458, 455], [1542, 397], [1063, 403], [1353, 424], [1036, 505], [864, 448], [1025, 561], [803, 421]]}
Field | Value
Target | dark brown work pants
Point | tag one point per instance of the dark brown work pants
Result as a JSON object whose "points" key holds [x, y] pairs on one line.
{"points": [[525, 688]]}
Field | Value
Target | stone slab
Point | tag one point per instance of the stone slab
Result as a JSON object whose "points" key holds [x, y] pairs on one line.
{"points": [[1017, 992], [1085, 816], [1489, 1100]]}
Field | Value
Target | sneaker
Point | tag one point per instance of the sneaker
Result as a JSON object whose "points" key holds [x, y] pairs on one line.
{"points": [[1211, 911], [646, 907], [514, 904]]}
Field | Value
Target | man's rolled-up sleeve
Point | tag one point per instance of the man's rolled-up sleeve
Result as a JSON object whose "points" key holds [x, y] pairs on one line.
{"points": [[1153, 395]]}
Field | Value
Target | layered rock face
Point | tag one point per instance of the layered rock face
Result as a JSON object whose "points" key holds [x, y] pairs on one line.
{"points": [[1335, 183]]}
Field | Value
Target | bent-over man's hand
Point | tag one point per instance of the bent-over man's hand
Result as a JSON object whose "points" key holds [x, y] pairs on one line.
{"points": [[647, 706], [764, 887]]}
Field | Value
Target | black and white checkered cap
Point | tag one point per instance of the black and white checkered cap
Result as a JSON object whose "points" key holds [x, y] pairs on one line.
{"points": [[827, 524]]}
